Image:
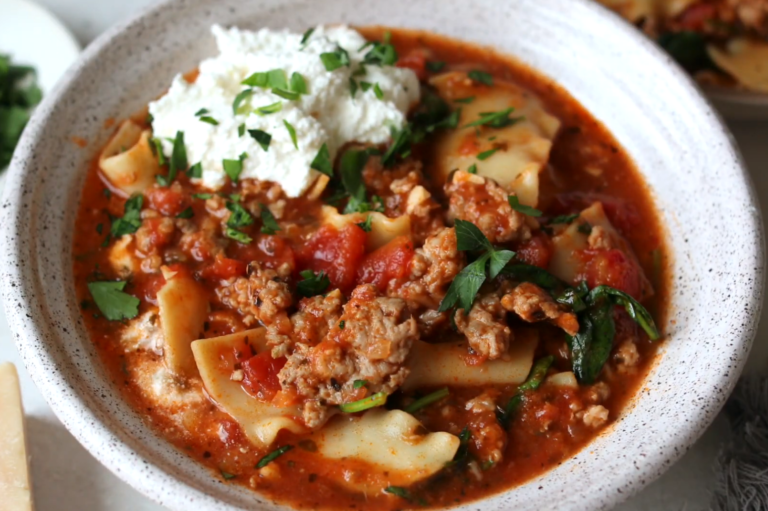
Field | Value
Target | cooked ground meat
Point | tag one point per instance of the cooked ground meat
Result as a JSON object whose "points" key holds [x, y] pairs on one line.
{"points": [[262, 296], [595, 416], [485, 327], [488, 439], [533, 304], [310, 325], [370, 342], [484, 203]]}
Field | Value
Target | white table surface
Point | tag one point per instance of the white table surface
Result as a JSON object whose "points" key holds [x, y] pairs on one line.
{"points": [[66, 477]]}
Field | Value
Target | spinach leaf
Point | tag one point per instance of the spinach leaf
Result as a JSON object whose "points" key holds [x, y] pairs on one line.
{"points": [[591, 347]]}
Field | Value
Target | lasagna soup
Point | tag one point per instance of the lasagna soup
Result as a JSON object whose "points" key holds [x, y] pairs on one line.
{"points": [[369, 268]]}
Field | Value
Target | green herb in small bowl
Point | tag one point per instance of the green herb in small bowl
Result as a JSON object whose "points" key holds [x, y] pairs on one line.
{"points": [[19, 93]]}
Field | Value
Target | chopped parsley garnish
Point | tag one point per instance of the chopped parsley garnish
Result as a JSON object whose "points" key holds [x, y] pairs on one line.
{"points": [[292, 133], [262, 137], [242, 96], [306, 36], [131, 219], [366, 225], [359, 384], [272, 79], [113, 303], [19, 93], [465, 101], [466, 284], [373, 401], [269, 458], [366, 86], [322, 162], [202, 111], [298, 84], [312, 284], [286, 94], [157, 148], [351, 168], [427, 400], [399, 491], [377, 91], [472, 169], [203, 196], [585, 228], [514, 202], [241, 130], [342, 324], [435, 66], [352, 87], [269, 109], [239, 217], [268, 223], [486, 154], [498, 119], [210, 120], [360, 71], [237, 235], [233, 168], [564, 219], [178, 160], [381, 54], [481, 77], [335, 59], [195, 171], [187, 213], [226, 475]]}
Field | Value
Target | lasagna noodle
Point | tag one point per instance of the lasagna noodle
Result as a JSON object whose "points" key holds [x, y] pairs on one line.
{"points": [[128, 160]]}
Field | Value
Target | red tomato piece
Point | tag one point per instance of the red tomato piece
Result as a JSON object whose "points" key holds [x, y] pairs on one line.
{"points": [[386, 263], [536, 251], [612, 268], [696, 17], [336, 252], [271, 251], [157, 237], [225, 268], [416, 60], [260, 375], [166, 200]]}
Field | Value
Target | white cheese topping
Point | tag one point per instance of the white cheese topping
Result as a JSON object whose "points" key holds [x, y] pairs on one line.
{"points": [[326, 114]]}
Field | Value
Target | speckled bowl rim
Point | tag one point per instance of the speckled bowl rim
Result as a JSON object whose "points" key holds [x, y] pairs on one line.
{"points": [[96, 435]]}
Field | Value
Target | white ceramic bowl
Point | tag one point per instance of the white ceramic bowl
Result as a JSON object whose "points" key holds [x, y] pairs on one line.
{"points": [[688, 158]]}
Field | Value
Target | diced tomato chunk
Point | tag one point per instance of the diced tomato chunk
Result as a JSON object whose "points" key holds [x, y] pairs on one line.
{"points": [[225, 268], [416, 61], [536, 251], [271, 251], [386, 263], [260, 375], [336, 252], [158, 237], [612, 268], [166, 200]]}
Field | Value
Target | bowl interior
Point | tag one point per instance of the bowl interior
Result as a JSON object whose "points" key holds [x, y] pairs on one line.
{"points": [[687, 157]]}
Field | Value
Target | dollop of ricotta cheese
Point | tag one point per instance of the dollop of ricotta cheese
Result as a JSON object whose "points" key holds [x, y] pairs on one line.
{"points": [[327, 114]]}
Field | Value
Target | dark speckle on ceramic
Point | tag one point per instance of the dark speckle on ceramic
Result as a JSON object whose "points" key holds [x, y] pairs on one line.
{"points": [[687, 156]]}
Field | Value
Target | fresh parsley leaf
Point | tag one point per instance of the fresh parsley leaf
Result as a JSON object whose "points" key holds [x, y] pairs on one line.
{"points": [[366, 225], [401, 142], [465, 101], [352, 87], [157, 149], [499, 259], [241, 130], [237, 103], [399, 491], [233, 168], [178, 160], [381, 54], [113, 303], [210, 120], [239, 217], [306, 36], [312, 284], [262, 137], [465, 286], [358, 384], [203, 196], [287, 94], [486, 154], [227, 476], [498, 119], [378, 92], [351, 168], [435, 66], [481, 77], [564, 219], [202, 111], [269, 458], [292, 133], [322, 162], [341, 324], [366, 86], [195, 171], [131, 219], [336, 59], [472, 169], [514, 202], [469, 237], [187, 213], [298, 84], [360, 71], [236, 235], [269, 109], [268, 223]]}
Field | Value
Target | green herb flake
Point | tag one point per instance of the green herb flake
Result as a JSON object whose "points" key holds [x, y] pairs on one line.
{"points": [[481, 77], [373, 401], [564, 219], [435, 66], [233, 168], [322, 161], [269, 109], [202, 196], [268, 223], [336, 59], [381, 54], [312, 284], [236, 235], [306, 36], [272, 456], [378, 92], [465, 101], [130, 222], [366, 225], [113, 303], [227, 476], [286, 94], [239, 99], [195, 171], [210, 120], [585, 228], [398, 491], [262, 137], [239, 216], [292, 133], [202, 111], [472, 169], [241, 130], [514, 202], [352, 87], [298, 84], [341, 325], [359, 384], [427, 400], [500, 119], [187, 213], [486, 154]]}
